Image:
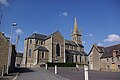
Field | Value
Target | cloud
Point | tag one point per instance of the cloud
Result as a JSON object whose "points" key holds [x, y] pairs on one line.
{"points": [[63, 14], [4, 2], [99, 44], [19, 31], [112, 38], [90, 35]]}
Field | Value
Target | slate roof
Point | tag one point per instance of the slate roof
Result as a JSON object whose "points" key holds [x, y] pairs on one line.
{"points": [[37, 36], [108, 51], [76, 52], [100, 49], [19, 55], [80, 45], [41, 48], [84, 53], [72, 52], [69, 42]]}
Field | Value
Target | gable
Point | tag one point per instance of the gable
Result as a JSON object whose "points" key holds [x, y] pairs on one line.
{"points": [[57, 36]]}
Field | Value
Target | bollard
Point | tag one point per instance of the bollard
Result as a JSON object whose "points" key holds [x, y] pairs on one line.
{"points": [[86, 72], [46, 66], [55, 69], [77, 65], [2, 71]]}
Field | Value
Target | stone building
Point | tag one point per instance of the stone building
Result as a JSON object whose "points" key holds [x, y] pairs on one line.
{"points": [[19, 57], [7, 54], [105, 58], [39, 48]]}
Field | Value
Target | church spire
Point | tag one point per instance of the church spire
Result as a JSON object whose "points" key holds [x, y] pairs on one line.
{"points": [[75, 26], [76, 34]]}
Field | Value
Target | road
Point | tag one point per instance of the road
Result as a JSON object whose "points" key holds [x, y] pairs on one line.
{"points": [[38, 74], [78, 74]]}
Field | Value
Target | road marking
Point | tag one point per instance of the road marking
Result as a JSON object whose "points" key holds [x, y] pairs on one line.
{"points": [[16, 76]]}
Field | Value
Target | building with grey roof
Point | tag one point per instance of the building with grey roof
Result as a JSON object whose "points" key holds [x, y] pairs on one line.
{"points": [[105, 58], [39, 48]]}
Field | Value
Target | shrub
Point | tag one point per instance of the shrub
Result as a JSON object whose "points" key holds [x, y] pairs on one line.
{"points": [[61, 64]]}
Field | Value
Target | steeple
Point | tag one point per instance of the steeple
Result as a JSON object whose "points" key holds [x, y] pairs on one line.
{"points": [[76, 34], [75, 26]]}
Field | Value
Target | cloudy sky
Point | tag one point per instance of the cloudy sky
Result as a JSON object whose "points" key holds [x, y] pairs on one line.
{"points": [[99, 20]]}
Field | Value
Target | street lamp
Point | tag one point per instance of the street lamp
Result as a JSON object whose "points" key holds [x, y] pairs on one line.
{"points": [[10, 49], [13, 25]]}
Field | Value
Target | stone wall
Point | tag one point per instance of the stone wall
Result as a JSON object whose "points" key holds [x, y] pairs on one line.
{"points": [[58, 39], [48, 45], [4, 50], [94, 59]]}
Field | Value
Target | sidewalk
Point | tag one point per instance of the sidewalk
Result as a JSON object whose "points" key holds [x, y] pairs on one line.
{"points": [[10, 76]]}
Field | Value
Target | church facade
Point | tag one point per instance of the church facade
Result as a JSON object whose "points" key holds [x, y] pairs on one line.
{"points": [[39, 48]]}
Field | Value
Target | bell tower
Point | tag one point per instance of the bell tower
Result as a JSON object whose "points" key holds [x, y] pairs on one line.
{"points": [[76, 34]]}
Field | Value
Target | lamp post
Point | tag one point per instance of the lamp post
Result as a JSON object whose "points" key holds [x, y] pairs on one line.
{"points": [[10, 47]]}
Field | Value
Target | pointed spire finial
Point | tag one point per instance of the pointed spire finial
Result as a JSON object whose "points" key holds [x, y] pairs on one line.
{"points": [[75, 26], [75, 23]]}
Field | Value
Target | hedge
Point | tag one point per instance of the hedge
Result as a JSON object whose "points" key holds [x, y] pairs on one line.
{"points": [[61, 64]]}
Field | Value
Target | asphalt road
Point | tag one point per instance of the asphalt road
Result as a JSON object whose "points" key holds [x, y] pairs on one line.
{"points": [[37, 74], [78, 74]]}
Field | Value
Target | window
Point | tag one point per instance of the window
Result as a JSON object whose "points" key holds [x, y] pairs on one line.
{"points": [[41, 42], [43, 55], [112, 59], [107, 60], [57, 50], [67, 46], [36, 41], [118, 58], [72, 47], [108, 66], [30, 53], [75, 48], [30, 41]]}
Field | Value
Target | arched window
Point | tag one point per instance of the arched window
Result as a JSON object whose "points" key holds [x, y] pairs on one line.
{"points": [[30, 41], [36, 41], [58, 50], [30, 53], [43, 54]]}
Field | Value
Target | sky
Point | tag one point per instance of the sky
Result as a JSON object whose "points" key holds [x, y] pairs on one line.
{"points": [[99, 20]]}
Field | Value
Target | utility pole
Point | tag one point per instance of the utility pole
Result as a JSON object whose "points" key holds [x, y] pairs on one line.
{"points": [[10, 47], [17, 39]]}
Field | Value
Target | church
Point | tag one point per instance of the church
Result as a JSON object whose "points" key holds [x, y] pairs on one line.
{"points": [[39, 48]]}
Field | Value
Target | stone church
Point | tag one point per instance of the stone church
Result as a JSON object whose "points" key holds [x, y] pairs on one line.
{"points": [[39, 48]]}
